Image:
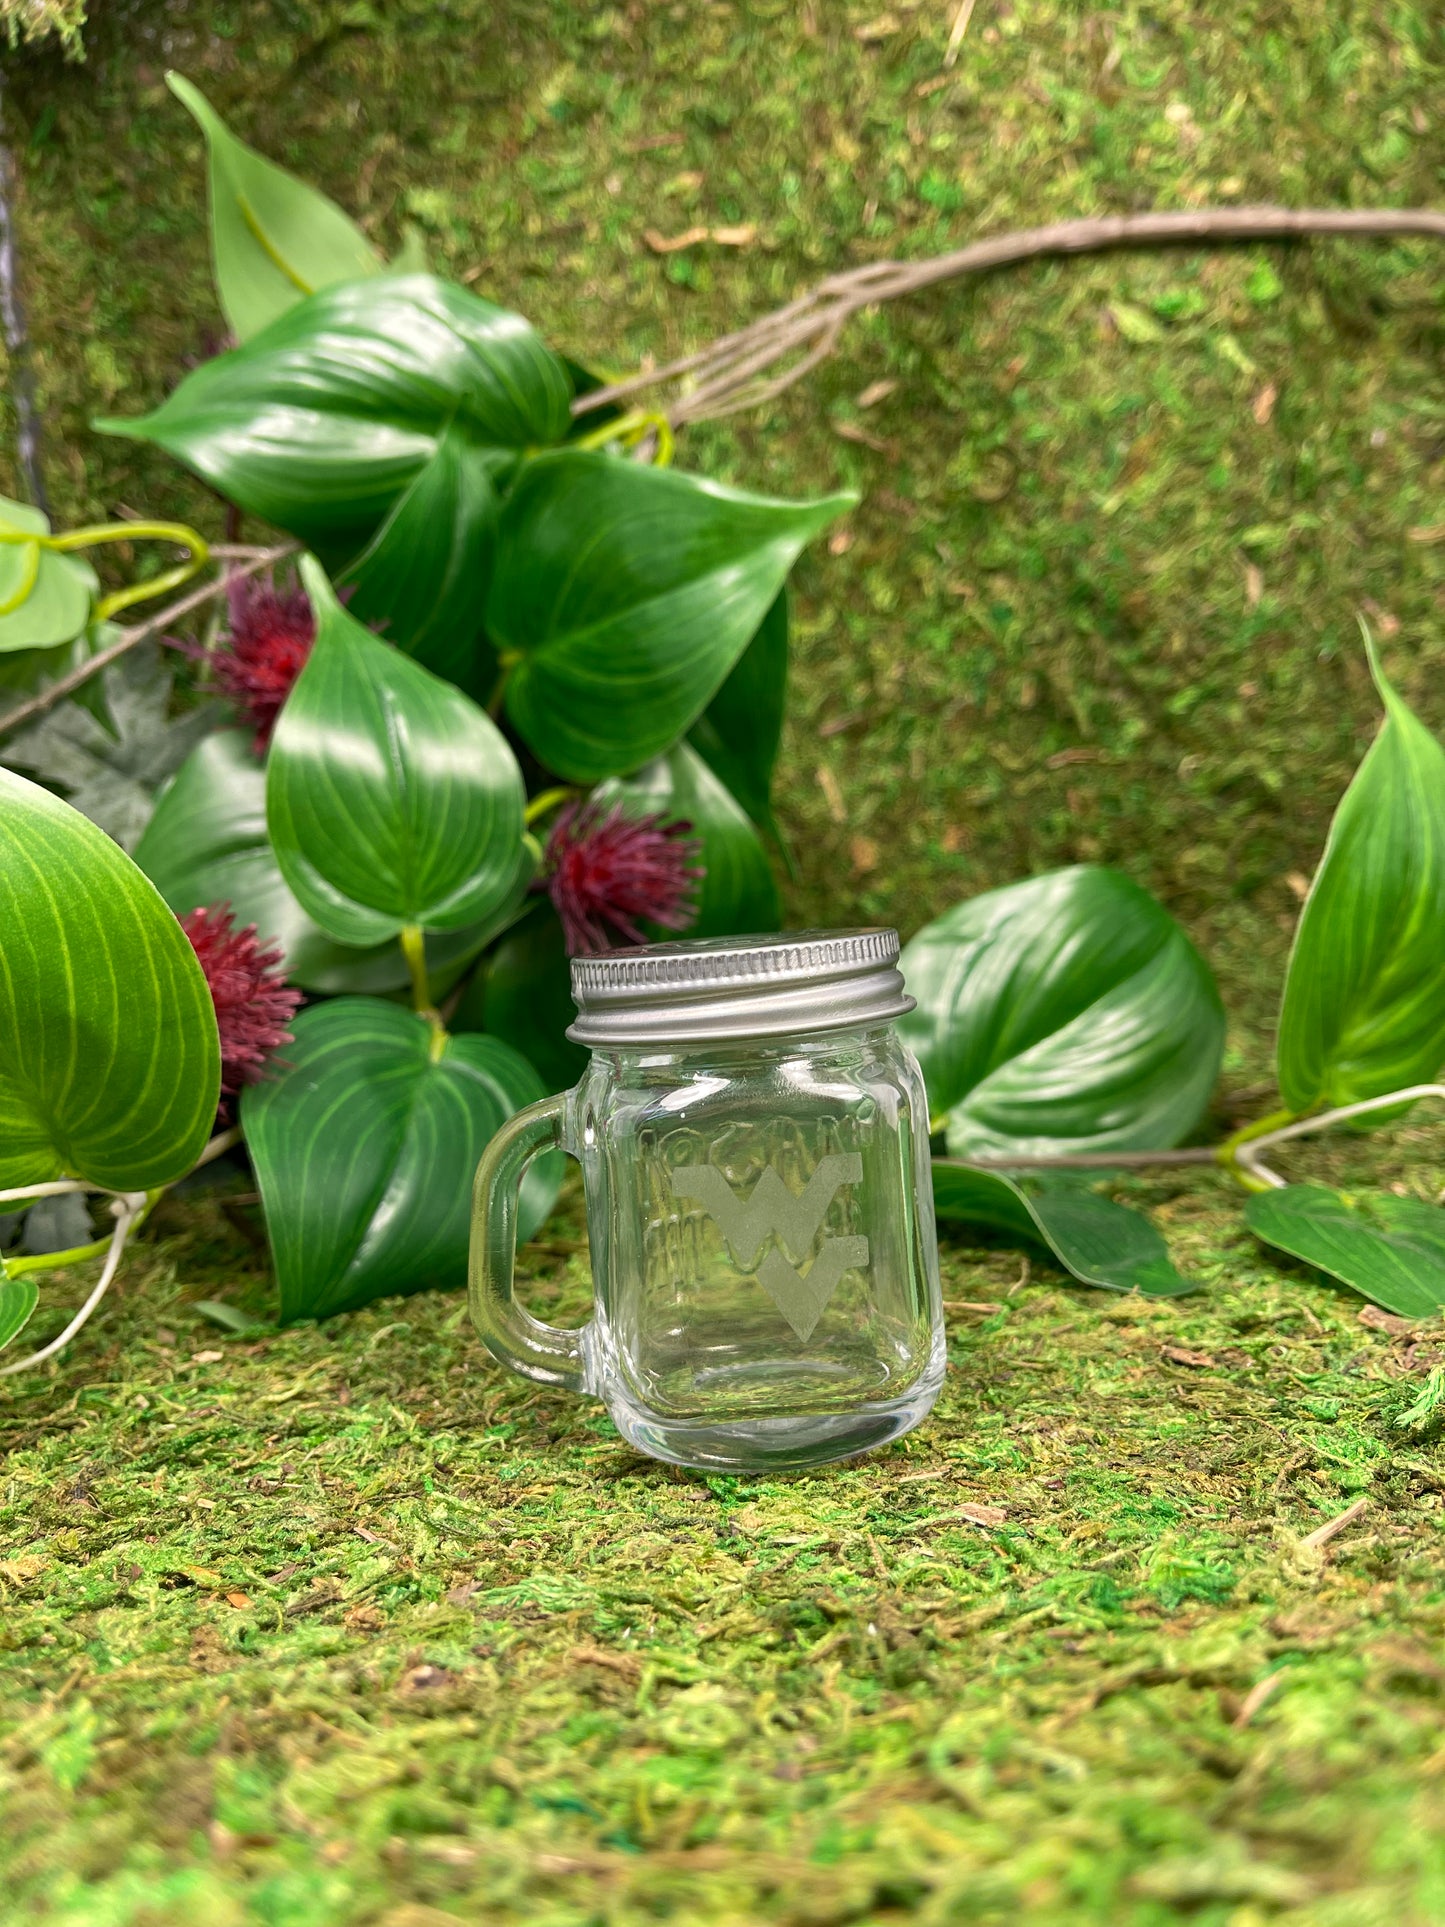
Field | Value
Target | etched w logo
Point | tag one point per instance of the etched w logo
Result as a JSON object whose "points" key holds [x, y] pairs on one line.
{"points": [[794, 1219]]}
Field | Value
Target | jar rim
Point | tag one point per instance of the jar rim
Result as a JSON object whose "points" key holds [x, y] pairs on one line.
{"points": [[738, 987]]}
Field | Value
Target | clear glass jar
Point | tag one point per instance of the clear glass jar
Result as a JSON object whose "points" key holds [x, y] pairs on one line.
{"points": [[759, 1204]]}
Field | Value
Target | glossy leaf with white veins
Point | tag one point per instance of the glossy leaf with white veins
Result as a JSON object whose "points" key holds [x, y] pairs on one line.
{"points": [[1097, 1241], [109, 1057], [1066, 1013], [1391, 1250], [325, 421], [1364, 1001], [274, 240], [391, 798], [364, 1145], [206, 843], [624, 596], [45, 596]]}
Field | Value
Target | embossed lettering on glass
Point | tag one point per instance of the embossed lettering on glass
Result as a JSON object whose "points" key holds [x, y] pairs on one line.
{"points": [[753, 1137]]}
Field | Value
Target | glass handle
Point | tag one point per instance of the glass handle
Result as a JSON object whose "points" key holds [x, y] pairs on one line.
{"points": [[509, 1332]]}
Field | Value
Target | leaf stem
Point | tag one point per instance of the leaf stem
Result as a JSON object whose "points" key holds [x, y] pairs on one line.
{"points": [[1248, 1161], [1244, 1172], [162, 584], [544, 803], [413, 948], [55, 1260]]}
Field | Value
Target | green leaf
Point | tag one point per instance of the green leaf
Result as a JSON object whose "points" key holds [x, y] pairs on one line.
{"points": [[18, 1299], [1066, 1013], [1391, 1250], [274, 240], [364, 1151], [626, 595], [1364, 1001], [229, 1317], [738, 893], [523, 992], [325, 420], [431, 558], [206, 843], [1098, 1241], [110, 770], [25, 672], [109, 1059], [45, 596], [738, 733], [391, 798]]}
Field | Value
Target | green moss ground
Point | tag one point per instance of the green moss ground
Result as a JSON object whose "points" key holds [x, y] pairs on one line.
{"points": [[339, 1625]]}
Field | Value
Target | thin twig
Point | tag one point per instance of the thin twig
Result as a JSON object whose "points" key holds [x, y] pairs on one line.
{"points": [[1322, 1535], [152, 626], [222, 1142], [55, 1188], [726, 373], [1092, 1161], [128, 1208], [960, 28], [1262, 1690]]}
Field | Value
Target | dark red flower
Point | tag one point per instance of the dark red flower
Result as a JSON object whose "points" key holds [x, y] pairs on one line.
{"points": [[607, 872], [272, 631], [254, 1003]]}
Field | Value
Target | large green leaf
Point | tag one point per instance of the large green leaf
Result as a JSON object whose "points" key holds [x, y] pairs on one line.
{"points": [[109, 1059], [1364, 1001], [625, 595], [391, 798], [1389, 1249], [523, 993], [1066, 1013], [364, 1150], [738, 892], [339, 407], [739, 732], [206, 843], [274, 240], [1098, 1241], [45, 597], [431, 557]]}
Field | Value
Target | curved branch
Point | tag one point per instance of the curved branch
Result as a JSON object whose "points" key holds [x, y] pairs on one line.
{"points": [[152, 626], [129, 1209], [726, 374]]}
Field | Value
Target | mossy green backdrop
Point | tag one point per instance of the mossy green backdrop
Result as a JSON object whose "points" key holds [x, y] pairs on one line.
{"points": [[340, 1625]]}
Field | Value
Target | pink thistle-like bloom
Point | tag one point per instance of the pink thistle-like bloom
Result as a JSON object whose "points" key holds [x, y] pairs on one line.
{"points": [[608, 872], [272, 631], [254, 1003]]}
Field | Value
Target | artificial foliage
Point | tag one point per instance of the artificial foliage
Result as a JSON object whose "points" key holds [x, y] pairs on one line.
{"points": [[527, 700]]}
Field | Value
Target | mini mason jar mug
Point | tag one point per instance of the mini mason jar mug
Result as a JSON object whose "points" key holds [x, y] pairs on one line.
{"points": [[753, 1137]]}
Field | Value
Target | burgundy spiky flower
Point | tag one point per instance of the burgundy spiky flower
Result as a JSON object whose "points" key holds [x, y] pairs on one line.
{"points": [[272, 631], [254, 1003], [607, 872]]}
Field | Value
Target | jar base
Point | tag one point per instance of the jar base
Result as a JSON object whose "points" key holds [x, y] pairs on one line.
{"points": [[767, 1445]]}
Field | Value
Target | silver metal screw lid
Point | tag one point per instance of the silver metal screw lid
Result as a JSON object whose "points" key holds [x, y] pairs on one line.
{"points": [[734, 988]]}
